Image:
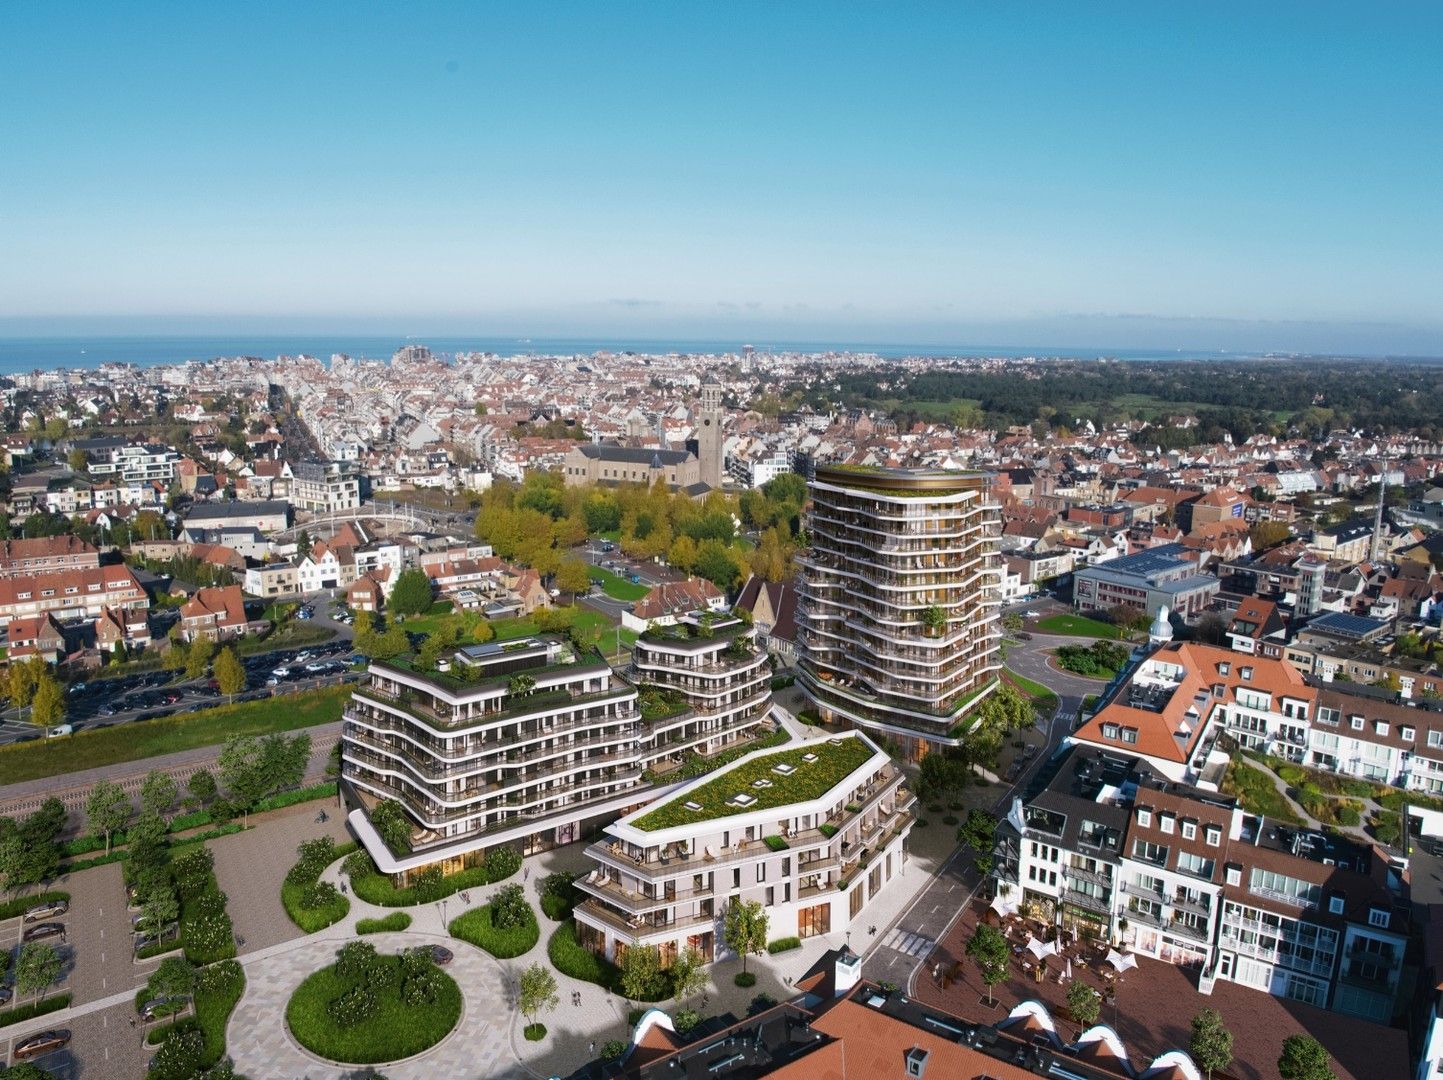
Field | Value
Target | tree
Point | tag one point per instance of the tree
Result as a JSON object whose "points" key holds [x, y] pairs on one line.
{"points": [[107, 809], [242, 771], [78, 460], [47, 708], [303, 544], [688, 974], [198, 656], [159, 908], [1266, 534], [1211, 628], [230, 673], [157, 792], [1012, 622], [1304, 1058], [392, 824], [175, 977], [538, 992], [37, 968], [989, 949], [978, 830], [572, 576], [1211, 1044], [202, 786], [411, 594], [365, 623], [640, 968], [21, 684], [745, 929], [1083, 1003], [934, 618]]}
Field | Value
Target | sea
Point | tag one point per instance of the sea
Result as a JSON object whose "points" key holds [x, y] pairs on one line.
{"points": [[21, 354]]}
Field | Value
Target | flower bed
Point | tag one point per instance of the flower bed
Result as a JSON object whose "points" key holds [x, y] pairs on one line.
{"points": [[384, 1010]]}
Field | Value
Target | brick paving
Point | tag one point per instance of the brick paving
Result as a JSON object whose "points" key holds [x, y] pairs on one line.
{"points": [[1154, 1006], [103, 1046]]}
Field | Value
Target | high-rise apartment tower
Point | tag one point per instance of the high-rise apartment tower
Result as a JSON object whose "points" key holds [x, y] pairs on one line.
{"points": [[897, 614]]}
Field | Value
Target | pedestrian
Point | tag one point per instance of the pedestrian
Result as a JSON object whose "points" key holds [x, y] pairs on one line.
{"points": [[343, 886], [132, 1021], [592, 1046], [526, 874]]}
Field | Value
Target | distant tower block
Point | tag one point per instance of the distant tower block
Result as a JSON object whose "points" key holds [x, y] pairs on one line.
{"points": [[709, 432]]}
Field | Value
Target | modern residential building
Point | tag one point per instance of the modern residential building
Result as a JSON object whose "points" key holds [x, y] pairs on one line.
{"points": [[813, 832], [896, 621], [710, 663], [1105, 847], [272, 579], [1152, 579], [1171, 707], [521, 743], [324, 487], [135, 463]]}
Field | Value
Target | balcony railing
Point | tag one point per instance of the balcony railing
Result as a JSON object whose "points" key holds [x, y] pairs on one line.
{"points": [[638, 927]]}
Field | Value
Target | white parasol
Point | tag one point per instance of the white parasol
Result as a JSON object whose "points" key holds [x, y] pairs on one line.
{"points": [[1041, 949], [1121, 961]]}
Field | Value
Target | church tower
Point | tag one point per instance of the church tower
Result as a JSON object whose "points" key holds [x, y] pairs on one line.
{"points": [[709, 432]]}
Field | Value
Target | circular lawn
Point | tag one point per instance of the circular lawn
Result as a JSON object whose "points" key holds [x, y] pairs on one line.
{"points": [[369, 1008]]}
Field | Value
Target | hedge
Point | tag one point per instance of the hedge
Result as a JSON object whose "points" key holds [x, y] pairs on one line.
{"points": [[158, 948], [11, 909], [35, 1008], [784, 944], [376, 887], [394, 922], [501, 942], [569, 957]]}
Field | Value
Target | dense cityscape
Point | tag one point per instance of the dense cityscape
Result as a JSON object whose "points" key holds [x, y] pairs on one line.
{"points": [[684, 702]]}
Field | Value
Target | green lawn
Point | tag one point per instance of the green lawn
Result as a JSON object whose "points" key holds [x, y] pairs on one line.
{"points": [[167, 735], [1042, 697], [809, 780], [1255, 790], [1077, 626], [616, 586]]}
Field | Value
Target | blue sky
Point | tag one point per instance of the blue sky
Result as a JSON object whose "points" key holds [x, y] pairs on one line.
{"points": [[1249, 176]]}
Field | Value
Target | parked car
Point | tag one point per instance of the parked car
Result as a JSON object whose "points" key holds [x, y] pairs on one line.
{"points": [[635, 579], [315, 667], [163, 1006], [5, 995], [43, 932], [107, 710], [1032, 614], [41, 1043], [303, 615], [282, 673], [49, 910], [75, 688], [144, 941], [440, 954], [61, 729]]}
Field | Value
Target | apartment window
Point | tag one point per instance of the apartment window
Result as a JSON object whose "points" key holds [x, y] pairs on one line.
{"points": [[771, 897], [874, 881], [1144, 817], [1129, 735], [1164, 822], [736, 879], [1407, 733], [812, 921], [1189, 830], [1335, 905], [1110, 731], [1213, 835], [1435, 739], [1246, 673], [761, 872], [1357, 723], [1219, 689], [1224, 669], [1234, 875], [856, 901], [1149, 852], [1378, 917], [1196, 865], [1380, 727]]}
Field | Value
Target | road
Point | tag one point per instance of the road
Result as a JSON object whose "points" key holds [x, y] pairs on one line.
{"points": [[903, 948]]}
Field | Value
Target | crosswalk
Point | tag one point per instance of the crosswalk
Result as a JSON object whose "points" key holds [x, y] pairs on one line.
{"points": [[904, 941]]}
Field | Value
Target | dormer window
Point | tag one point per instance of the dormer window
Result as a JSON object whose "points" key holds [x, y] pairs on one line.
{"points": [[1189, 830], [1380, 727], [1378, 917], [1407, 733], [1144, 817], [1164, 822], [1335, 905], [1234, 874], [916, 1062], [1213, 835], [1111, 731], [1357, 723], [1246, 673], [1224, 669]]}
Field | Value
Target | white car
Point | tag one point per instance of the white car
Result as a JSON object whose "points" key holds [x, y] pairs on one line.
{"points": [[315, 667], [282, 673], [62, 729], [1032, 614]]}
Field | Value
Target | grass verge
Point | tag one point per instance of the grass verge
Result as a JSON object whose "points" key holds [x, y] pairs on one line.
{"points": [[501, 942], [32, 1009], [136, 741], [392, 923], [616, 586], [1077, 626]]}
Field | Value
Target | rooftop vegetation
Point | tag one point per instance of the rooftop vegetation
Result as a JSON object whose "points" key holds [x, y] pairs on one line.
{"points": [[808, 780]]}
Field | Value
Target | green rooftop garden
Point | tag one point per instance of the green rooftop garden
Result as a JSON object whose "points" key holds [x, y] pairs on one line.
{"points": [[807, 780]]}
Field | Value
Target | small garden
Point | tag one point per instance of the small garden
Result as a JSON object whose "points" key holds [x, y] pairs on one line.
{"points": [[505, 927], [430, 885], [801, 780], [368, 1008], [694, 764], [1255, 790], [391, 924], [1100, 660], [197, 1042]]}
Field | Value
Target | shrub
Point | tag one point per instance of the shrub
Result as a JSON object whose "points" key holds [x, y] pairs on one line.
{"points": [[761, 1003], [745, 979], [355, 1006], [479, 926], [32, 1009], [684, 1021], [180, 1056], [396, 921], [612, 1049], [309, 902], [949, 820], [828, 830], [377, 888], [509, 908], [634, 1017], [534, 1032], [1349, 816], [558, 896], [776, 843], [784, 944]]}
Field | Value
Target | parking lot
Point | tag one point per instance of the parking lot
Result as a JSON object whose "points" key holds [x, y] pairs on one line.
{"points": [[103, 1046]]}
